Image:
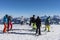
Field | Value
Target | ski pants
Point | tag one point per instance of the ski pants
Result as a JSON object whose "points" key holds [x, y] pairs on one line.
{"points": [[47, 27], [34, 25], [9, 25], [38, 30], [5, 27]]}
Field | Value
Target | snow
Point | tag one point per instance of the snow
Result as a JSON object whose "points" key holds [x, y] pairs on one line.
{"points": [[24, 32]]}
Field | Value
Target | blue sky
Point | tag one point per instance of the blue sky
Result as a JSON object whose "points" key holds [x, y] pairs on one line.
{"points": [[27, 8]]}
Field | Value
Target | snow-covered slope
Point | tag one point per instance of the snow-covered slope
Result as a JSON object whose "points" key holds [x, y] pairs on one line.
{"points": [[24, 32]]}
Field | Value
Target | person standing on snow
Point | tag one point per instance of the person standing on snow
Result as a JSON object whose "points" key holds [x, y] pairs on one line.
{"points": [[5, 21], [22, 20], [47, 24], [38, 24], [9, 23], [32, 21]]}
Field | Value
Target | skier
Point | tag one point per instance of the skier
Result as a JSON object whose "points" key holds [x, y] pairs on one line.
{"points": [[5, 21], [47, 24], [22, 20], [32, 21], [38, 24], [9, 23]]}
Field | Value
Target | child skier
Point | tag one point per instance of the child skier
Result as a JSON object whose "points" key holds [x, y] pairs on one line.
{"points": [[38, 24], [47, 24]]}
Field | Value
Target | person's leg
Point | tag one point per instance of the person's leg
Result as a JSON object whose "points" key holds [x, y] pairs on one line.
{"points": [[45, 27], [11, 25], [39, 31], [36, 30], [34, 26], [5, 28], [48, 28], [8, 25]]}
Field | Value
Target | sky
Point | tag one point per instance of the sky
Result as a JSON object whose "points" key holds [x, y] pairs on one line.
{"points": [[27, 8]]}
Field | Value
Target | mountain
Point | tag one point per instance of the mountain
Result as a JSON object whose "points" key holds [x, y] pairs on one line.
{"points": [[54, 19]]}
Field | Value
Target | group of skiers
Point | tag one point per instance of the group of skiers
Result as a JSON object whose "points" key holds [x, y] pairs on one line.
{"points": [[36, 23], [7, 23]]}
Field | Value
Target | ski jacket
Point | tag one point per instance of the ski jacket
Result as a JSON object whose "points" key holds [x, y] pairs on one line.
{"points": [[47, 21], [32, 19], [38, 22], [5, 19]]}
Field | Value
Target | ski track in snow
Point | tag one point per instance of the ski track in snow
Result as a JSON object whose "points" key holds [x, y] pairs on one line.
{"points": [[24, 32]]}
